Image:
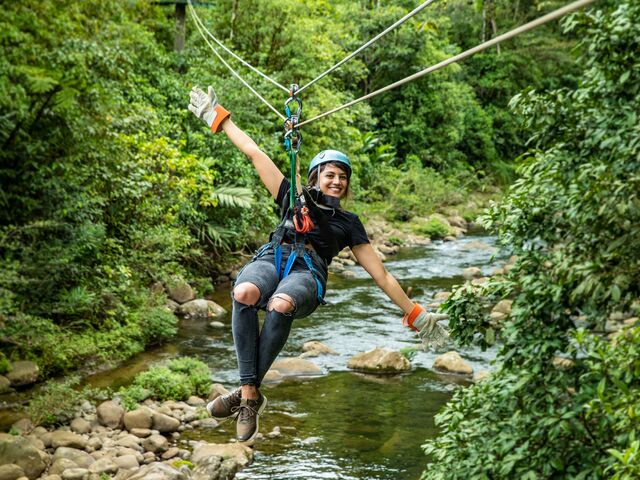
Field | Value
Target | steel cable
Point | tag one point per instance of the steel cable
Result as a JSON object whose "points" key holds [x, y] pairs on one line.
{"points": [[237, 75], [230, 52], [370, 42], [483, 46]]}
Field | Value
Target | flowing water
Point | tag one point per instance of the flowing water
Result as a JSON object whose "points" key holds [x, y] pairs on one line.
{"points": [[343, 425]]}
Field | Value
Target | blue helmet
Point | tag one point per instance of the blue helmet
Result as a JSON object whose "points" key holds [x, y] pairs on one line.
{"points": [[327, 156]]}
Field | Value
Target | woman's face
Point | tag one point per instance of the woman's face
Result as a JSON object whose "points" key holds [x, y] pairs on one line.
{"points": [[333, 181]]}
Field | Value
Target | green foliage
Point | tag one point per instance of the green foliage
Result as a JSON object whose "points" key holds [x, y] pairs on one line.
{"points": [[5, 366], [178, 379], [133, 395], [434, 227], [179, 463], [573, 219], [58, 402]]}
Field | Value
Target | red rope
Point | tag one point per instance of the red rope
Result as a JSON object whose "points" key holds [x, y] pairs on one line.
{"points": [[302, 221]]}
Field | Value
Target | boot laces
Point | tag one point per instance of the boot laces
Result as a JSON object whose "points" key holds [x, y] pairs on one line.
{"points": [[246, 411]]}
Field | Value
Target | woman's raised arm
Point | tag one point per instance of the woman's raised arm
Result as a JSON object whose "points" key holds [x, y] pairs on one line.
{"points": [[269, 173], [205, 106]]}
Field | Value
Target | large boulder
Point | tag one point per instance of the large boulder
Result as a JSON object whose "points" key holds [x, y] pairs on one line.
{"points": [[296, 367], [23, 373], [63, 438], [164, 423], [11, 472], [155, 443], [200, 308], [5, 384], [471, 273], [181, 293], [154, 471], [110, 414], [452, 362], [315, 348], [80, 457], [241, 454], [22, 453], [503, 306], [140, 418], [379, 360]]}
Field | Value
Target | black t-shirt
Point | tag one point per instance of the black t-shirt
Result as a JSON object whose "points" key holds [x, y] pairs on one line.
{"points": [[345, 227]]}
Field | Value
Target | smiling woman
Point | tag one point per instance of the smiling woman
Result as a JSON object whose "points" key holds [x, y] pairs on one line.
{"points": [[288, 276]]}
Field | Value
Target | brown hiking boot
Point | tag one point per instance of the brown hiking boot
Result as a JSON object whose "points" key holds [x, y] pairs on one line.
{"points": [[225, 405], [248, 417]]}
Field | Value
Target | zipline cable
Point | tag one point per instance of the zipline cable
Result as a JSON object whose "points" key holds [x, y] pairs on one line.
{"points": [[483, 46], [221, 45], [370, 42], [237, 75]]}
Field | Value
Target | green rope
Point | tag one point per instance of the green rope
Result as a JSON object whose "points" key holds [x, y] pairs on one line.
{"points": [[294, 188]]}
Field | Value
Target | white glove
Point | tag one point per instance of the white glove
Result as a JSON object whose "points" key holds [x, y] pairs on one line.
{"points": [[206, 108], [431, 333]]}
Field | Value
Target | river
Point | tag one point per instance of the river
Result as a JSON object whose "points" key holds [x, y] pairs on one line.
{"points": [[342, 425]]}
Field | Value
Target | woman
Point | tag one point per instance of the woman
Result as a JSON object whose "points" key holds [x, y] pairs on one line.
{"points": [[287, 278]]}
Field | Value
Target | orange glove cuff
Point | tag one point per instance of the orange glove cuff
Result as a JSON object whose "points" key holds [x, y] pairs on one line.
{"points": [[221, 115], [410, 317]]}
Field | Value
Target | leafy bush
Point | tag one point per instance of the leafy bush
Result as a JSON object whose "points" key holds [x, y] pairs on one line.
{"points": [[434, 227], [178, 379], [58, 402], [565, 401]]}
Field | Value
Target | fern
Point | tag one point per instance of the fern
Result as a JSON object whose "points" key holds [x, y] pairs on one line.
{"points": [[228, 196]]}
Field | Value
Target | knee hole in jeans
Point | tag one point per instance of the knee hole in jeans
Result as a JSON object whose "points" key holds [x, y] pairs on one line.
{"points": [[282, 303], [246, 293]]}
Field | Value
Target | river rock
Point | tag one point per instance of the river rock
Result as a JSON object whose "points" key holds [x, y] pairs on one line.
{"points": [[273, 376], [239, 453], [181, 293], [164, 423], [126, 461], [217, 389], [110, 414], [62, 438], [130, 441], [21, 453], [154, 471], [296, 367], [104, 465], [11, 472], [442, 296], [195, 401], [171, 305], [476, 245], [141, 432], [471, 273], [140, 418], [5, 384], [318, 348], [75, 474], [170, 453], [22, 426], [23, 373], [80, 425], [61, 464], [379, 360], [51, 477], [80, 457], [200, 309], [503, 306], [452, 362], [155, 443]]}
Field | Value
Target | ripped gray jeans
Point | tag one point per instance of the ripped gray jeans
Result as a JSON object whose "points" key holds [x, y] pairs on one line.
{"points": [[256, 348]]}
